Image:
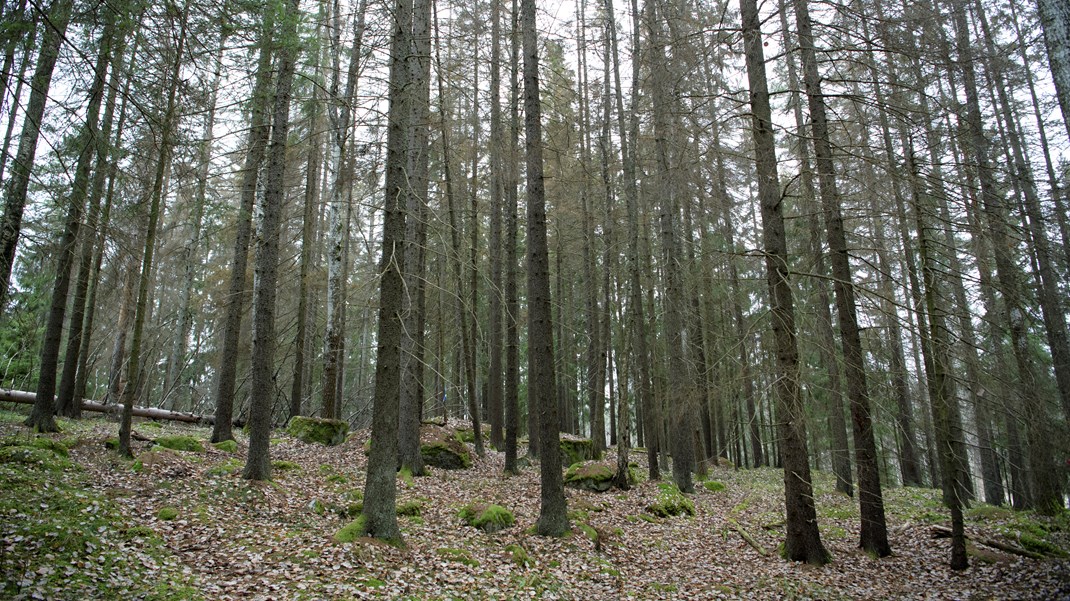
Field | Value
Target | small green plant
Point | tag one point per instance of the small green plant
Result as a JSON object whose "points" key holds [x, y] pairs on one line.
{"points": [[283, 465], [227, 468], [405, 475], [167, 514], [410, 508], [519, 555]]}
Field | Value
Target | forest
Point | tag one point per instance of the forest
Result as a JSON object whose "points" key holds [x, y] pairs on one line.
{"points": [[668, 298]]}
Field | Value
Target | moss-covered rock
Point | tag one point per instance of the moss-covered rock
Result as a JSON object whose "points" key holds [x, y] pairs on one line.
{"points": [[670, 502], [283, 465], [314, 430], [167, 514], [596, 477], [713, 485], [181, 443], [227, 446], [441, 448], [488, 518], [575, 449]]}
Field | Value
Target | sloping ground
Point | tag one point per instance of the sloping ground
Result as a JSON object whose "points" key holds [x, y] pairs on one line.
{"points": [[232, 539]]}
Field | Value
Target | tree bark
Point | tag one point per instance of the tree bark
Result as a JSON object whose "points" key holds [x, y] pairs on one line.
{"points": [[166, 147], [59, 14], [874, 531], [553, 520], [803, 542], [259, 132], [266, 262]]}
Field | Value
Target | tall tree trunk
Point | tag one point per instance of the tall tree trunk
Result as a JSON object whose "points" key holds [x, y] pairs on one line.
{"points": [[553, 520], [803, 542], [340, 211], [494, 302], [256, 146], [266, 261], [71, 389], [309, 220], [380, 490], [675, 333], [874, 531], [59, 14], [1055, 22], [414, 308], [190, 263], [166, 147], [1046, 495], [512, 303]]}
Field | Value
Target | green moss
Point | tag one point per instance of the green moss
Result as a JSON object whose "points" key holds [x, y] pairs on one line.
{"points": [[1039, 545], [670, 502], [351, 531], [410, 508], [646, 517], [596, 477], [337, 479], [156, 425], [167, 514], [227, 468], [313, 430], [458, 555], [30, 455], [713, 485], [111, 442], [440, 448], [488, 518], [405, 475], [285, 466], [317, 507], [50, 444], [575, 450], [137, 466], [180, 443], [589, 531], [518, 555], [227, 446]]}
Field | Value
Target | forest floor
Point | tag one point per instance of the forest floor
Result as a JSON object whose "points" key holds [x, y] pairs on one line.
{"points": [[93, 526]]}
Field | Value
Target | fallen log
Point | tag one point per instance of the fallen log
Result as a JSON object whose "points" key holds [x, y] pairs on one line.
{"points": [[945, 532], [29, 398], [750, 540]]}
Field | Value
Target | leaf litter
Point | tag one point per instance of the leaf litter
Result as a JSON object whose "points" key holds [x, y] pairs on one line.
{"points": [[235, 539]]}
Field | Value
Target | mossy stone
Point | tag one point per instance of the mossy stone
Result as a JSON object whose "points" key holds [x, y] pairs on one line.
{"points": [[713, 485], [314, 430], [596, 477], [180, 443], [440, 448], [227, 446], [488, 518], [670, 502], [167, 514], [575, 449]]}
